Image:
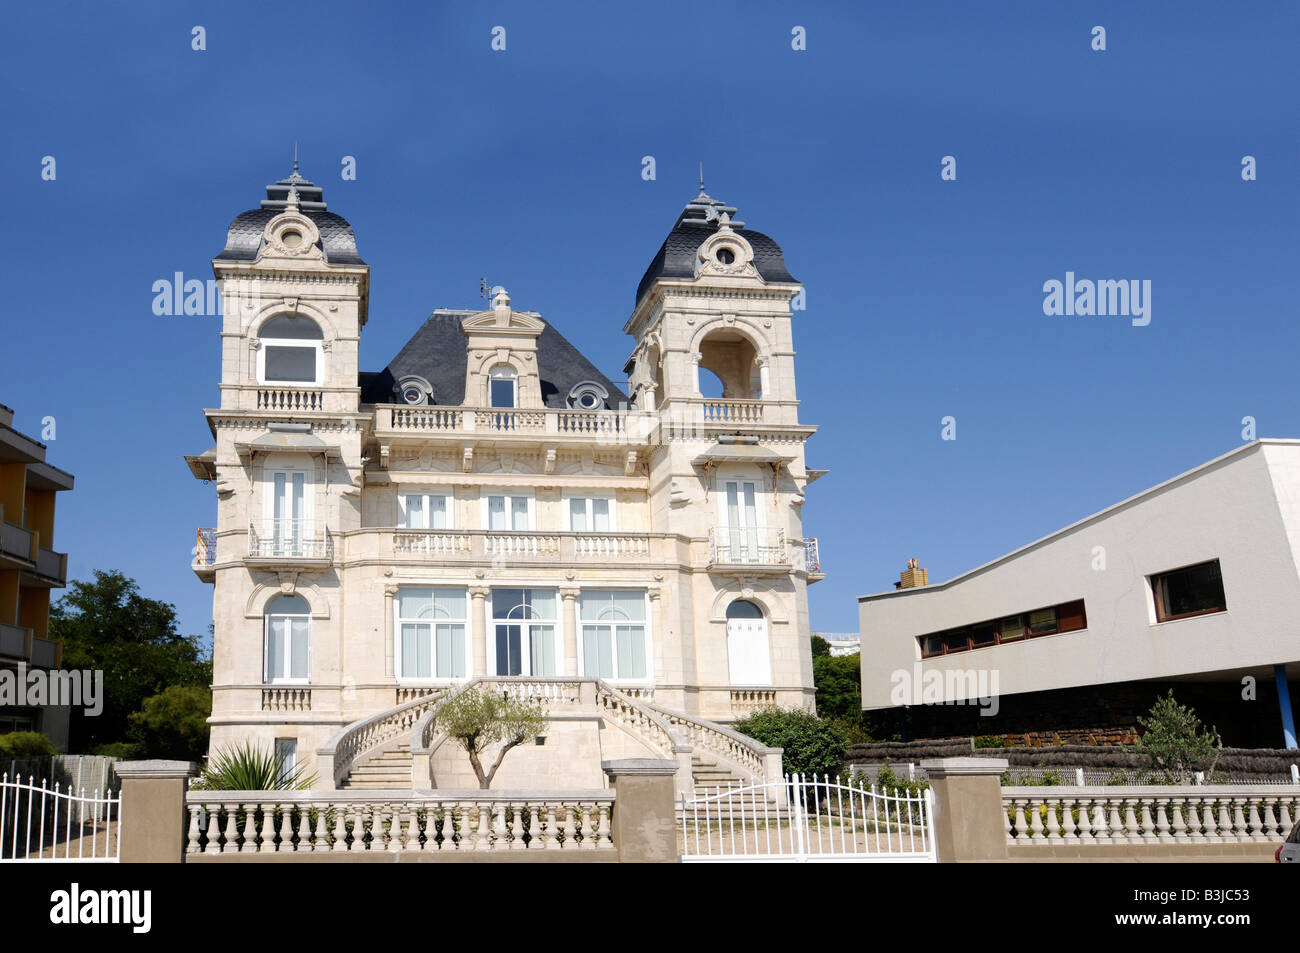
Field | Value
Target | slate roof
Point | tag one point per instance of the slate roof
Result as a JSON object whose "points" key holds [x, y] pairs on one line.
{"points": [[676, 258], [437, 353], [337, 242]]}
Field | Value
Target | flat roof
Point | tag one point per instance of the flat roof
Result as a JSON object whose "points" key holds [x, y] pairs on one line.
{"points": [[1181, 478]]}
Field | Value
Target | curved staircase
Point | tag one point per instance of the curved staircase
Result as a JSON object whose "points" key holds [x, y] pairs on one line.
{"points": [[383, 750]]}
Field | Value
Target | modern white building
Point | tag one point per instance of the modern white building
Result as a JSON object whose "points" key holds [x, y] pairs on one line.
{"points": [[1192, 585]]}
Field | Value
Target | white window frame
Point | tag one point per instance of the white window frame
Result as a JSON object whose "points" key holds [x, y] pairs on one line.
{"points": [[433, 623], [647, 640], [526, 633], [286, 753], [589, 499], [426, 495], [269, 471], [287, 661], [316, 346], [509, 495], [741, 477], [504, 372]]}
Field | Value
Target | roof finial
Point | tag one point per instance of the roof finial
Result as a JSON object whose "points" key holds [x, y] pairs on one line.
{"points": [[295, 157], [702, 178]]}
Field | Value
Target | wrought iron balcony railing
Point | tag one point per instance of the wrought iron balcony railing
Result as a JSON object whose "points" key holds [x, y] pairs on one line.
{"points": [[289, 539]]}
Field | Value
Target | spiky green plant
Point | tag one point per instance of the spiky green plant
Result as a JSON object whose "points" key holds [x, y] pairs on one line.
{"points": [[249, 767]]}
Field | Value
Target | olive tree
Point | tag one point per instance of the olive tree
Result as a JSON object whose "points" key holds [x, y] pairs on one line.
{"points": [[477, 719]]}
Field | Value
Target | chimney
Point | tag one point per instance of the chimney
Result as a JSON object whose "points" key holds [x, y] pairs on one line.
{"points": [[6, 416], [913, 576]]}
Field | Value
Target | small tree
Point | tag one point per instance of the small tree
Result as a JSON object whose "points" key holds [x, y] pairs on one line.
{"points": [[1174, 740], [477, 718]]}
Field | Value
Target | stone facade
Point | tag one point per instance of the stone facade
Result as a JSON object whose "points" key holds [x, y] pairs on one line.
{"points": [[365, 547]]}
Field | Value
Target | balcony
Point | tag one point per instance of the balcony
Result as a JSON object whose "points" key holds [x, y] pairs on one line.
{"points": [[18, 642], [15, 544], [754, 550], [487, 546], [401, 419], [205, 554], [812, 561], [285, 543]]}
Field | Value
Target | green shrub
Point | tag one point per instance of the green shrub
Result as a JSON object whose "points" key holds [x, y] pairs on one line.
{"points": [[173, 723], [124, 750], [887, 780], [811, 745], [1174, 741], [17, 745], [990, 741], [245, 767]]}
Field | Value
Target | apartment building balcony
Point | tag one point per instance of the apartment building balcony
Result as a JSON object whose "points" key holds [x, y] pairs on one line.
{"points": [[20, 549], [289, 543], [753, 550], [20, 644], [399, 420], [205, 554], [486, 546], [812, 561]]}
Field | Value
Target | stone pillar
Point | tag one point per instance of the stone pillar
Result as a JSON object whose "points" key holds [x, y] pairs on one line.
{"points": [[968, 820], [154, 819], [390, 631], [644, 825], [569, 594], [478, 629]]}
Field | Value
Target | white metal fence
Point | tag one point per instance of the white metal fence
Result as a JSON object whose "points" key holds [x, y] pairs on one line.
{"points": [[39, 823], [801, 819]]}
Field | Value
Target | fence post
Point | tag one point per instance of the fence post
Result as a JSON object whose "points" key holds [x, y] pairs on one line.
{"points": [[968, 820], [644, 825], [152, 816]]}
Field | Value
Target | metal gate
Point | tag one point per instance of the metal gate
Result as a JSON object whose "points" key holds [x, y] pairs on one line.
{"points": [[38, 823], [800, 819]]}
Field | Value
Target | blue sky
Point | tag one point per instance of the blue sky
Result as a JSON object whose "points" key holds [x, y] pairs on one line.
{"points": [[924, 296]]}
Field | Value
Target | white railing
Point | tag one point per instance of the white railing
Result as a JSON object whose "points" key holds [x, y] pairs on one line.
{"points": [[435, 419], [289, 539], [821, 820], [763, 546], [337, 756], [610, 546], [732, 411], [286, 699], [38, 823], [289, 398], [752, 699], [522, 545], [419, 542], [597, 423], [1213, 814], [760, 762], [227, 822], [812, 559], [510, 421]]}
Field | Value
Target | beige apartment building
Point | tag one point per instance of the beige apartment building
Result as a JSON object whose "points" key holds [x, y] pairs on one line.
{"points": [[490, 506]]}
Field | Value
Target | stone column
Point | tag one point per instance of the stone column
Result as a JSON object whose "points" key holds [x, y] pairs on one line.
{"points": [[390, 632], [569, 594], [644, 825], [968, 820], [478, 629], [154, 819]]}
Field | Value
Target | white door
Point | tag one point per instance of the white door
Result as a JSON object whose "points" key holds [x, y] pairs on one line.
{"points": [[741, 518], [747, 654]]}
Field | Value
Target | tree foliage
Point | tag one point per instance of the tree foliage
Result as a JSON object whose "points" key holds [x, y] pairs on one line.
{"points": [[106, 624], [478, 718], [173, 723], [812, 746], [1173, 738]]}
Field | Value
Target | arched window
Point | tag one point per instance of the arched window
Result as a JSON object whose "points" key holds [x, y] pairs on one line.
{"points": [[431, 633], [291, 351], [525, 632], [614, 636], [503, 387], [744, 609], [288, 639]]}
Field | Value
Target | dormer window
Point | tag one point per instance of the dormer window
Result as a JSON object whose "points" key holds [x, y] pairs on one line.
{"points": [[503, 387], [588, 395], [413, 390], [291, 351]]}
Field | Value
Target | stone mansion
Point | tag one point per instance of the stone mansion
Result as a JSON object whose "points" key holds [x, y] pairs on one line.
{"points": [[491, 508]]}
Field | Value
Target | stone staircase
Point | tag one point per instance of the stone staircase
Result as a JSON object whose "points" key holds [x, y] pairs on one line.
{"points": [[390, 768]]}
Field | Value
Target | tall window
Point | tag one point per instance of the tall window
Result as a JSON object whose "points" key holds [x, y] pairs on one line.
{"points": [[591, 515], [524, 625], [503, 387], [741, 537], [286, 756], [1193, 590], [288, 639], [291, 351], [431, 633], [424, 511], [509, 513], [613, 633]]}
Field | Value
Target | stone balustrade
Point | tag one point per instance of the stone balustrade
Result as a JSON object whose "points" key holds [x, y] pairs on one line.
{"points": [[244, 822], [1209, 814], [337, 756], [759, 761], [286, 699]]}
